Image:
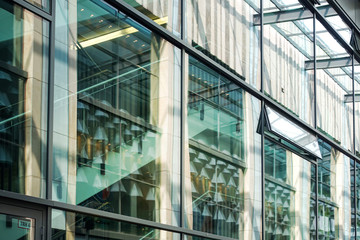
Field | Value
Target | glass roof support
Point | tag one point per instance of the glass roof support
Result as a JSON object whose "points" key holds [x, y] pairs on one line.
{"points": [[292, 15], [330, 29], [329, 63], [349, 97]]}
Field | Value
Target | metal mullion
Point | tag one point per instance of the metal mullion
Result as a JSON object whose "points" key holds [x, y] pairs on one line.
{"points": [[315, 70], [50, 114], [182, 140], [50, 117], [262, 120], [37, 11], [353, 100], [183, 19], [48, 222], [354, 143], [355, 201], [317, 200], [315, 126]]}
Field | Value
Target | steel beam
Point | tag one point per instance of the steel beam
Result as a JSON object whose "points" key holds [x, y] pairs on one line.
{"points": [[349, 97], [329, 63], [292, 15]]}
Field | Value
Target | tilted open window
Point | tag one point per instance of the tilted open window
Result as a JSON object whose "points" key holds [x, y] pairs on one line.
{"points": [[277, 124]]}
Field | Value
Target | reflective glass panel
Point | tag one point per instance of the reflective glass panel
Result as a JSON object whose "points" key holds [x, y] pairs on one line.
{"points": [[335, 20], [334, 195], [288, 57], [223, 153], [334, 85], [70, 226], [353, 180], [24, 61], [43, 4], [117, 115], [289, 194], [163, 12], [229, 33]]}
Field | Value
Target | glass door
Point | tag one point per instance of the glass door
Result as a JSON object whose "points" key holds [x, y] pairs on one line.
{"points": [[20, 222]]}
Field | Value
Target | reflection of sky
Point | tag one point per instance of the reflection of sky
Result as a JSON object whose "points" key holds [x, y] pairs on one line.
{"points": [[327, 46], [301, 37]]}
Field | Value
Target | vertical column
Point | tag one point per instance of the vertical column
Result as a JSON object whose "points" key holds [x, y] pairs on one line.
{"points": [[32, 61], [72, 93], [164, 109], [253, 193], [341, 165], [186, 158]]}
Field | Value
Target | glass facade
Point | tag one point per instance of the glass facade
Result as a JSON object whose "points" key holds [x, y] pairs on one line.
{"points": [[181, 119], [116, 116]]}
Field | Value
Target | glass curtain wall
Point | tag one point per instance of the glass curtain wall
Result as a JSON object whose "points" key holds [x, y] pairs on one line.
{"points": [[222, 153], [138, 134], [24, 47], [117, 114]]}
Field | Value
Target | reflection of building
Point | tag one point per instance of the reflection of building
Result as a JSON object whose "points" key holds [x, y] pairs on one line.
{"points": [[176, 119]]}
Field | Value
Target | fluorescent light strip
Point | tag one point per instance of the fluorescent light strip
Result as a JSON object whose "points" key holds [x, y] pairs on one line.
{"points": [[117, 34]]}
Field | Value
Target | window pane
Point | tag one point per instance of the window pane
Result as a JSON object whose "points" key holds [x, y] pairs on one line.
{"points": [[334, 85], [117, 115], [334, 193], [289, 194], [288, 49], [229, 33], [43, 4], [24, 50], [223, 153]]}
